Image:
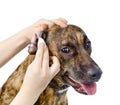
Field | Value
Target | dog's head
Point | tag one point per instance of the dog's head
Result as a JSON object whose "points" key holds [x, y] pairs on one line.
{"points": [[73, 48]]}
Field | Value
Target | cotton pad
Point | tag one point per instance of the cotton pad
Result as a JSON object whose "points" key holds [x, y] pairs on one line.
{"points": [[40, 40]]}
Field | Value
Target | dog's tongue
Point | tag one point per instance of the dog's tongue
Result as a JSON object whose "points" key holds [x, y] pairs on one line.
{"points": [[90, 89]]}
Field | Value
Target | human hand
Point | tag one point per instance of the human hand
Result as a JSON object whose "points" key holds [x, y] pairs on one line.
{"points": [[39, 26], [39, 74]]}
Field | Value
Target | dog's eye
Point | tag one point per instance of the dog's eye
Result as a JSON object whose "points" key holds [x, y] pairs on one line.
{"points": [[65, 49], [88, 44]]}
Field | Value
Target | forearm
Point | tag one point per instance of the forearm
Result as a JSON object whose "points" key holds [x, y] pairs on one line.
{"points": [[14, 44], [24, 98], [11, 46]]}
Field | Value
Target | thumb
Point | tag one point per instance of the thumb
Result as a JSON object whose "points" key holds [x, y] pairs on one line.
{"points": [[55, 67]]}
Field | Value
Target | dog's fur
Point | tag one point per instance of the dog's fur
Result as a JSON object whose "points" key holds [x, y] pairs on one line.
{"points": [[73, 49]]}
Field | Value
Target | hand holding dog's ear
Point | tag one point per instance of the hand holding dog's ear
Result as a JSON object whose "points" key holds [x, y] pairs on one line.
{"points": [[60, 21], [37, 77], [39, 73], [41, 25]]}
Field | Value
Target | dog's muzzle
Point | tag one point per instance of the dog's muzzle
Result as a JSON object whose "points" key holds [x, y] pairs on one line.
{"points": [[92, 73], [86, 82]]}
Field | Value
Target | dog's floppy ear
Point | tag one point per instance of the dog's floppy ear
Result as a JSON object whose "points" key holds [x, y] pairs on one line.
{"points": [[32, 48], [47, 36]]}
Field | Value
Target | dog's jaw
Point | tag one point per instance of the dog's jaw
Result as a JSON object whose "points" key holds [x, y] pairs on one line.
{"points": [[87, 89]]}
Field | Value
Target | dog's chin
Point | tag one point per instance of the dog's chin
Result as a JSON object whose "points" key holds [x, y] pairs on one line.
{"points": [[83, 88]]}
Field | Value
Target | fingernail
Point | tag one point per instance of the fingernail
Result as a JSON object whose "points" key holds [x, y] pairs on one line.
{"points": [[44, 26]]}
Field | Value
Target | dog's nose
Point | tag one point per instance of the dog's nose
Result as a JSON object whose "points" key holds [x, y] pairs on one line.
{"points": [[94, 73]]}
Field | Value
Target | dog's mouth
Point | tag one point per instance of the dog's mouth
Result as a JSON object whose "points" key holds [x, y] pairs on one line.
{"points": [[84, 88]]}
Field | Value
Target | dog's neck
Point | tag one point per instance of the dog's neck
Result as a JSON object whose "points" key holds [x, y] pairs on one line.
{"points": [[58, 89], [62, 91], [52, 97]]}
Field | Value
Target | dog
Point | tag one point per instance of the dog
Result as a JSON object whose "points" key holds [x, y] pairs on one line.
{"points": [[77, 69]]}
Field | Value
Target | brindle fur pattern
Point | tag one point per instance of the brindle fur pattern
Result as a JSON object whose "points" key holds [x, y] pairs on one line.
{"points": [[56, 38]]}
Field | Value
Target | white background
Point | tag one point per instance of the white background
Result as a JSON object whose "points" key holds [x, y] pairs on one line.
{"points": [[100, 19]]}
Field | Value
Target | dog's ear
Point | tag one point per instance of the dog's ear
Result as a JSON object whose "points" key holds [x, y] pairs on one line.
{"points": [[32, 48]]}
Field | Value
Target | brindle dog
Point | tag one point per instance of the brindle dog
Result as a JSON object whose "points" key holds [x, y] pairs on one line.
{"points": [[73, 48]]}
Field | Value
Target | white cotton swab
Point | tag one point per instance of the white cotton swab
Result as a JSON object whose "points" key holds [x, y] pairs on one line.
{"points": [[40, 40]]}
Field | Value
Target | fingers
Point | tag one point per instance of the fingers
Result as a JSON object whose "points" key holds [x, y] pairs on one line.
{"points": [[39, 54], [42, 59], [63, 19], [61, 22], [45, 64], [40, 22], [43, 27], [55, 67], [45, 23]]}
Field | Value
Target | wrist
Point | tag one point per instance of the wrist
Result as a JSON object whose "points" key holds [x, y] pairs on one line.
{"points": [[24, 97], [26, 34]]}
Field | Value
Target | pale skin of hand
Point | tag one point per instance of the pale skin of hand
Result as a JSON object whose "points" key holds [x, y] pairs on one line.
{"points": [[21, 39], [38, 76]]}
